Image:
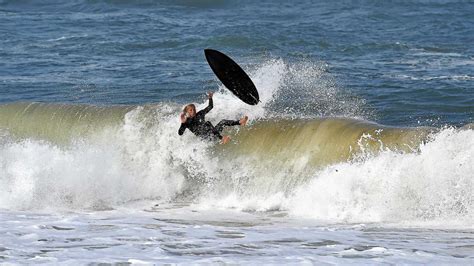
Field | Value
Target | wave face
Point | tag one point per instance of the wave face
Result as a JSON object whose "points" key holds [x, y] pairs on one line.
{"points": [[58, 122], [335, 169], [432, 185]]}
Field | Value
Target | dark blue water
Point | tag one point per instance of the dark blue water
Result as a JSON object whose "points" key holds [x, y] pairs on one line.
{"points": [[409, 62]]}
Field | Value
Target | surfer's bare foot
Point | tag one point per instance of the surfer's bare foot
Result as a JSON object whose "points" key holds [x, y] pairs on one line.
{"points": [[243, 120], [225, 139]]}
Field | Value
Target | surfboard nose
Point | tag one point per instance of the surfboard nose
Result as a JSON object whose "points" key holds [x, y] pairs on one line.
{"points": [[232, 76]]}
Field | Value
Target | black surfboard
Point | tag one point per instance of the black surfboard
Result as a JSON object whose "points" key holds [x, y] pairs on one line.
{"points": [[232, 76]]}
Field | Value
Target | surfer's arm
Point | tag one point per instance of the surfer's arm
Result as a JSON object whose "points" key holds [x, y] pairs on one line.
{"points": [[209, 107], [181, 129]]}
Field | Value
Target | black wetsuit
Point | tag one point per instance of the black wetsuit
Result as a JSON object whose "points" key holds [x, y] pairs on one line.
{"points": [[204, 129]]}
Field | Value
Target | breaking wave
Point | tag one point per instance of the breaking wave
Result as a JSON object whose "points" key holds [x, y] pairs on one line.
{"points": [[335, 167]]}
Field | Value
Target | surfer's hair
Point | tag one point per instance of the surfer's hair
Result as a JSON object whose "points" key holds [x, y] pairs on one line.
{"points": [[185, 109]]}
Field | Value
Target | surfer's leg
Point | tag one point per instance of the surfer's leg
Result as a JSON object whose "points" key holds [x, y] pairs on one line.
{"points": [[217, 130], [220, 126]]}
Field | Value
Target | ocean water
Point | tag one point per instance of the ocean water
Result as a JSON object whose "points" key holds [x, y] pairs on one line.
{"points": [[360, 152]]}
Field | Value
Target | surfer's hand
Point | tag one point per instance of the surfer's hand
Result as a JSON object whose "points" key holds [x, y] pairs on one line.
{"points": [[183, 118], [209, 95], [225, 139]]}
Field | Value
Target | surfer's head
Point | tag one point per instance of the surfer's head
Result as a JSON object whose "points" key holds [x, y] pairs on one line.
{"points": [[190, 110]]}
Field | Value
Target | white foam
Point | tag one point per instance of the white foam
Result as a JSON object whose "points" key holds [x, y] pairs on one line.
{"points": [[435, 184]]}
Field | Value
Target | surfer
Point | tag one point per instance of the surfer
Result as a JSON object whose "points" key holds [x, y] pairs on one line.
{"points": [[202, 128]]}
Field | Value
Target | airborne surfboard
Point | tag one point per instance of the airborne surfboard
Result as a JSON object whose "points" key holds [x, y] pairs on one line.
{"points": [[232, 76]]}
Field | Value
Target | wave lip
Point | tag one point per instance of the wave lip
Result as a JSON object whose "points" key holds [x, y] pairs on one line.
{"points": [[321, 140]]}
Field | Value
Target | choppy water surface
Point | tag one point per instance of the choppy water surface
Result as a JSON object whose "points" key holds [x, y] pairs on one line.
{"points": [[360, 151], [176, 233]]}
